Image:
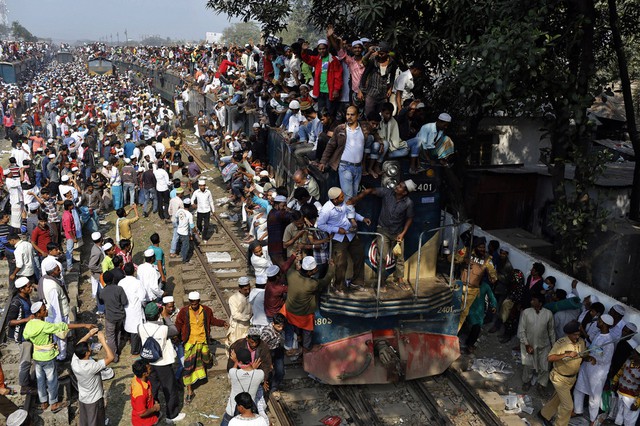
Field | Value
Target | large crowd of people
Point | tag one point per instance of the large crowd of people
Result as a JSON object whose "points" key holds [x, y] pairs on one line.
{"points": [[82, 147]]}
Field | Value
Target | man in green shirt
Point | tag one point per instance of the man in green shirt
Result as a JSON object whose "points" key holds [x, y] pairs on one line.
{"points": [[107, 262], [40, 334]]}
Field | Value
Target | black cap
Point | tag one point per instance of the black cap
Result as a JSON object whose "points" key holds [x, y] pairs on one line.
{"points": [[571, 327]]}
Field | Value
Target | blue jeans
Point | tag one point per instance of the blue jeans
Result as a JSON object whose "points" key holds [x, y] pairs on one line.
{"points": [[184, 250], [414, 147], [149, 195], [179, 356], [350, 176], [129, 193], [47, 378], [174, 240], [69, 253], [277, 358]]}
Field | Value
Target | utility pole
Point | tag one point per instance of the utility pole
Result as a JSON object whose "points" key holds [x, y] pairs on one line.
{"points": [[126, 37], [118, 37]]}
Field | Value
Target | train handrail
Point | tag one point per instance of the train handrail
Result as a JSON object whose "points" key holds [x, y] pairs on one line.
{"points": [[381, 266]]}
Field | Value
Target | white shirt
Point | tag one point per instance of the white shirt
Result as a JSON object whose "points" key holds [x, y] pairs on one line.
{"points": [[24, 259], [160, 334], [87, 372], [162, 180], [135, 295], [150, 279], [114, 177], [204, 200], [20, 155], [354, 147], [404, 82], [150, 151], [184, 219], [256, 299]]}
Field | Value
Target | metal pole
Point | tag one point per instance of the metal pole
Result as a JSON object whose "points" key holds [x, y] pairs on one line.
{"points": [[466, 291], [380, 265]]}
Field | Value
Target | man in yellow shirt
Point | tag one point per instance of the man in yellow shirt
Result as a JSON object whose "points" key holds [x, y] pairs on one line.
{"points": [[123, 225]]}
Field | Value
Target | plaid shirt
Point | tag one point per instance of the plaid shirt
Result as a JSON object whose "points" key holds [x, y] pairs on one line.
{"points": [[52, 211], [320, 252], [271, 337]]}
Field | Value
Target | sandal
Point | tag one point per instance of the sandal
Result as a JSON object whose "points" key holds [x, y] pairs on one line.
{"points": [[43, 406], [59, 406]]}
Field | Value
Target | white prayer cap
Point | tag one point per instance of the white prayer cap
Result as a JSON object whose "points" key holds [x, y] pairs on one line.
{"points": [[411, 185], [96, 236], [619, 309], [294, 105], [256, 125], [309, 263], [323, 41], [36, 307], [105, 163], [280, 199], [17, 418], [243, 281], [261, 279], [21, 282], [167, 299], [445, 117], [64, 178], [186, 201], [631, 326], [107, 246], [194, 295], [74, 169], [133, 157], [202, 182], [334, 192], [127, 136], [149, 253], [273, 270], [127, 160], [227, 138], [607, 319], [264, 173], [356, 43], [48, 264]]}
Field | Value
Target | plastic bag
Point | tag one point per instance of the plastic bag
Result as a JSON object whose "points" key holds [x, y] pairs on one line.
{"points": [[606, 400], [397, 249]]}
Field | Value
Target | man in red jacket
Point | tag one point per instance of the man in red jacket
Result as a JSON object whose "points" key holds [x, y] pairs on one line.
{"points": [[327, 80]]}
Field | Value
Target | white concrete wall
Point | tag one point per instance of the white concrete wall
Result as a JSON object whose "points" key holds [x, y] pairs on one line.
{"points": [[518, 139], [523, 261]]}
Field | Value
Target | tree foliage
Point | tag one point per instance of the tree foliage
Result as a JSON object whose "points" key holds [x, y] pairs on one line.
{"points": [[20, 32], [241, 33]]}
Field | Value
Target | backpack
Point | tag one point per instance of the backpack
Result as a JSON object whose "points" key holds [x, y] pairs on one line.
{"points": [[151, 350]]}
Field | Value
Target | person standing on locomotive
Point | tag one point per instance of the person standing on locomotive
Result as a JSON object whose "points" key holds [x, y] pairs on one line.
{"points": [[474, 267], [345, 151], [333, 220], [396, 217]]}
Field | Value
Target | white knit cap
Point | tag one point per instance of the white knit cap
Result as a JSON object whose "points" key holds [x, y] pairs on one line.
{"points": [[243, 281], [194, 295], [96, 236], [619, 309], [21, 282], [36, 307], [149, 253], [309, 263], [445, 117], [273, 270], [261, 279], [607, 319], [107, 246], [167, 299]]}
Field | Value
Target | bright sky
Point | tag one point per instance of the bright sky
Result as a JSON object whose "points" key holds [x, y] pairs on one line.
{"points": [[69, 20]]}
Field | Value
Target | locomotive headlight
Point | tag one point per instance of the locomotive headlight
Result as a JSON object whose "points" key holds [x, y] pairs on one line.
{"points": [[431, 173], [389, 182], [391, 168]]}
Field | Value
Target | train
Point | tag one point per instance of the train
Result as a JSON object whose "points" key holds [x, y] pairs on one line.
{"points": [[99, 64], [64, 56], [14, 72], [369, 337]]}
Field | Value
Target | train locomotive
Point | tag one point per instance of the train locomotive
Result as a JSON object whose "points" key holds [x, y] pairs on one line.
{"points": [[378, 337]]}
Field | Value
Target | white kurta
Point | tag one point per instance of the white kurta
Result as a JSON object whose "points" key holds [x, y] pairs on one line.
{"points": [[256, 299], [536, 329], [591, 378], [239, 318], [150, 278], [135, 295]]}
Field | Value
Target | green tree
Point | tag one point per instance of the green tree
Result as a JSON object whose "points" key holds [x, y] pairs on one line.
{"points": [[299, 25], [21, 32], [241, 33]]}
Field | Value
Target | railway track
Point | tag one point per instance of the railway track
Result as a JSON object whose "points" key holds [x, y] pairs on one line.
{"points": [[358, 404]]}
